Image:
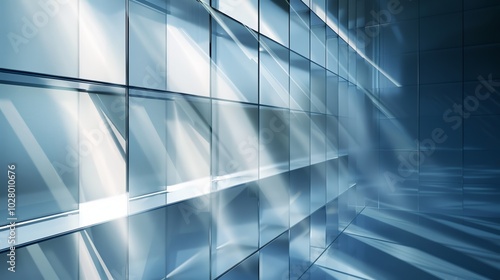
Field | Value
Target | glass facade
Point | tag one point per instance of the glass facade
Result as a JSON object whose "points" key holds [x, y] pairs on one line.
{"points": [[236, 139]]}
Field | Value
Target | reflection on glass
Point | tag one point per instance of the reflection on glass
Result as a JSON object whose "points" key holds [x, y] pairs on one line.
{"points": [[299, 27], [34, 44], [30, 120], [273, 74], [235, 143], [245, 12], [147, 46], [274, 20], [234, 60], [299, 139], [318, 88], [274, 141], [274, 204], [235, 230], [299, 83], [318, 31], [101, 37], [188, 39]]}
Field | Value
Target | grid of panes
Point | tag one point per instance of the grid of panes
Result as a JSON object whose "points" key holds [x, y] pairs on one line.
{"points": [[194, 140]]}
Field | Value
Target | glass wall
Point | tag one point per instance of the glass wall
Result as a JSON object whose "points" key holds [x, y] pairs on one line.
{"points": [[166, 139]]}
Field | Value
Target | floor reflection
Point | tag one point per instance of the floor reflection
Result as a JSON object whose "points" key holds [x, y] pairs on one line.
{"points": [[385, 244]]}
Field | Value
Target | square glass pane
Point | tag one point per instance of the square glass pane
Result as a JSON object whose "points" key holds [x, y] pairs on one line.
{"points": [[234, 60], [274, 20], [188, 40], [31, 33], [273, 74]]}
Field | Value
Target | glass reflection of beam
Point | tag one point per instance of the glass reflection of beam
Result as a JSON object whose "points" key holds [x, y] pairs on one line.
{"points": [[278, 87], [95, 47], [345, 37], [37, 155], [43, 264], [90, 258]]}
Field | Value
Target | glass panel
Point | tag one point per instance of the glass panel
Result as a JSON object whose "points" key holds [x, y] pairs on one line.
{"points": [[318, 148], [188, 40], [245, 12], [30, 118], [147, 245], [274, 141], [147, 145], [318, 186], [102, 146], [187, 238], [299, 139], [299, 248], [274, 259], [235, 231], [300, 191], [234, 60], [318, 33], [299, 83], [318, 233], [318, 6], [273, 74], [299, 27], [147, 43], [274, 206], [102, 40], [102, 251], [332, 51], [274, 20], [318, 88], [32, 32], [235, 143]]}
